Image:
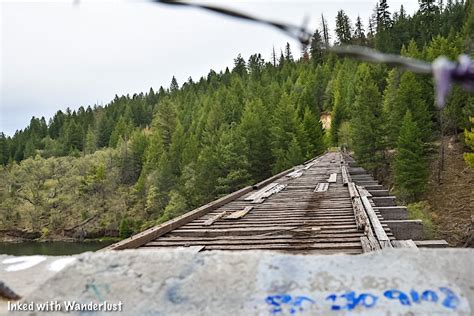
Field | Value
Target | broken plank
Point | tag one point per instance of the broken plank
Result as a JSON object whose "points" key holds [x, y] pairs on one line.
{"points": [[260, 192], [269, 193], [321, 187], [332, 178], [213, 219], [295, 174], [240, 214]]}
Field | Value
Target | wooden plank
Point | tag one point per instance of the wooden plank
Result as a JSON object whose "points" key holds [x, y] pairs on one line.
{"points": [[213, 219], [377, 226], [332, 178], [260, 192], [148, 235], [295, 174], [240, 214], [269, 193], [321, 187]]}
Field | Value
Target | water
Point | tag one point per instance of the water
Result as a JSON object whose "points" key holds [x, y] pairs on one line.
{"points": [[55, 248]]}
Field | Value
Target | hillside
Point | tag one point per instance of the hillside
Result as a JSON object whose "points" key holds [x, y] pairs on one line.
{"points": [[148, 157]]}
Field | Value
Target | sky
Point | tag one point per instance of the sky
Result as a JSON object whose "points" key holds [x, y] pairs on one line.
{"points": [[57, 54]]}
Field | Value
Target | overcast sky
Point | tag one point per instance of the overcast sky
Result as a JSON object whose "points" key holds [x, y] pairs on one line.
{"points": [[57, 54]]}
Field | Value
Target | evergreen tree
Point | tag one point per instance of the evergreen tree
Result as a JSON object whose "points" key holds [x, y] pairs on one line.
{"points": [[74, 137], [90, 143], [359, 33], [254, 128], [4, 151], [366, 123], [239, 66], [174, 86], [343, 28], [288, 54], [314, 133], [233, 164], [411, 169], [316, 48]]}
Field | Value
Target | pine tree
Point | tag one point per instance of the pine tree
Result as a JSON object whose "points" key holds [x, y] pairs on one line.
{"points": [[316, 48], [343, 28], [233, 164], [174, 86], [314, 133], [411, 169], [4, 151], [359, 33], [254, 128], [90, 143], [288, 54], [74, 137], [239, 66], [366, 123], [392, 108]]}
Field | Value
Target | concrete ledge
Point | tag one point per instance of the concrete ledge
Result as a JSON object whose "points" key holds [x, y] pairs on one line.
{"points": [[374, 187], [180, 282], [379, 193], [365, 183], [432, 243], [385, 201], [406, 229], [393, 212]]}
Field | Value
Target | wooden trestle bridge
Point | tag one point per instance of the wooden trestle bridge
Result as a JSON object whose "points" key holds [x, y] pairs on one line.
{"points": [[327, 205]]}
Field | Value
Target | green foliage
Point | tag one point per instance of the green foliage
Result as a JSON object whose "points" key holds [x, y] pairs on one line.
{"points": [[366, 123], [469, 139], [125, 229], [421, 210], [152, 156], [411, 169]]}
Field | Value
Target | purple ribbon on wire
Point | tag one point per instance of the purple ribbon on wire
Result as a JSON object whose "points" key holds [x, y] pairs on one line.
{"points": [[446, 73]]}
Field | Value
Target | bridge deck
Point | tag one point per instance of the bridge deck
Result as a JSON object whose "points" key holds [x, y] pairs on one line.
{"points": [[302, 211]]}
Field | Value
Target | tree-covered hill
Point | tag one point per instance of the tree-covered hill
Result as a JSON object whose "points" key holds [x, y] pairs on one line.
{"points": [[143, 159]]}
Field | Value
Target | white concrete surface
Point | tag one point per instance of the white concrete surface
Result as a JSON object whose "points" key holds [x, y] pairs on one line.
{"points": [[180, 282]]}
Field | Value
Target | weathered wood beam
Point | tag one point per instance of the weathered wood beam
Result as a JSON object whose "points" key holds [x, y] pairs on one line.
{"points": [[378, 229], [148, 235]]}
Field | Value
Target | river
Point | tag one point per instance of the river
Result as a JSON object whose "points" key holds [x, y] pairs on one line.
{"points": [[55, 248]]}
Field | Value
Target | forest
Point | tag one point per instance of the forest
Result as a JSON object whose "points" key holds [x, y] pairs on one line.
{"points": [[148, 157]]}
